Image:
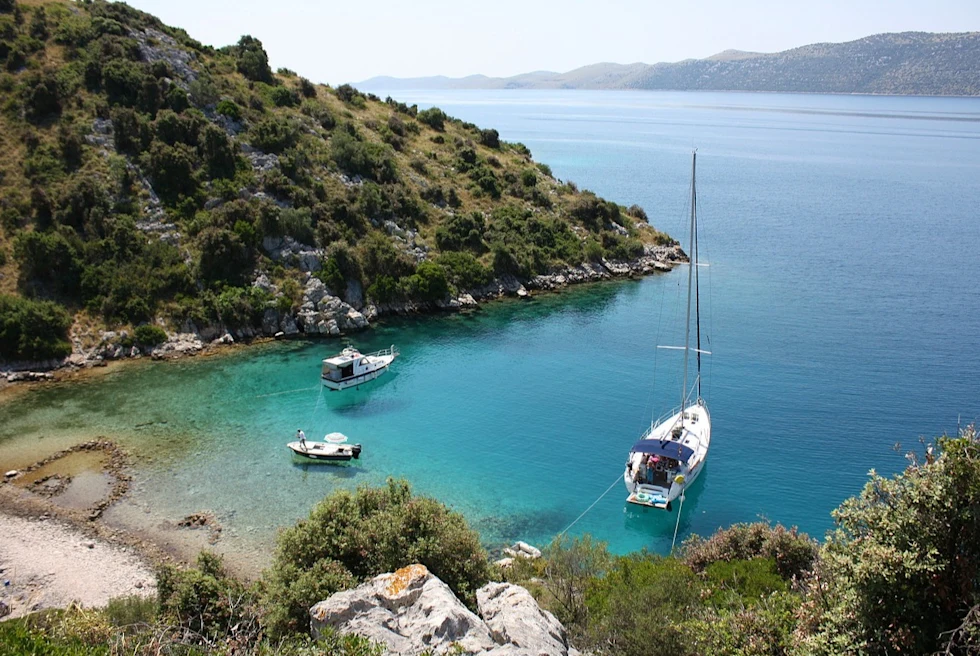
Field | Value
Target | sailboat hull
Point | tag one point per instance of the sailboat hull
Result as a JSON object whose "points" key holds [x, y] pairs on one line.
{"points": [[667, 461]]}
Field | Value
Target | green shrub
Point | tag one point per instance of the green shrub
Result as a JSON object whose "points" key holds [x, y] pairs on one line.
{"points": [[490, 138], [131, 610], [428, 283], [229, 109], [284, 97], [352, 537], [223, 257], [898, 574], [319, 113], [49, 261], [273, 134], [348, 94], [307, 88], [792, 552], [358, 157], [150, 335], [461, 231], [465, 271], [206, 600], [434, 117], [252, 60], [32, 330]]}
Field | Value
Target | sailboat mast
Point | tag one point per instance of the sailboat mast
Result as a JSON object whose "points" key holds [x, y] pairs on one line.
{"points": [[697, 303], [690, 275]]}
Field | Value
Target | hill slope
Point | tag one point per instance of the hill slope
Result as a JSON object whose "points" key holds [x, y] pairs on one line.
{"points": [[909, 63], [148, 178]]}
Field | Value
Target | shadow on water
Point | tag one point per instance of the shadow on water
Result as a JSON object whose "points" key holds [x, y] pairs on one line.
{"points": [[331, 469], [658, 524]]}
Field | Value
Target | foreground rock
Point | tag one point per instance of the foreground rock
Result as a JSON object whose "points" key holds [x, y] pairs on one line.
{"points": [[411, 611]]}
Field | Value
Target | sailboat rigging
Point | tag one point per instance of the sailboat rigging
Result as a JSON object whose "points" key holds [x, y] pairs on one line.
{"points": [[670, 455]]}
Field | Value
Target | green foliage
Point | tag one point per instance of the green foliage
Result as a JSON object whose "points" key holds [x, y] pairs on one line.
{"points": [[357, 157], [42, 96], [490, 138], [351, 537], [792, 552], [306, 88], [525, 243], [223, 257], [320, 113], [901, 568], [150, 335], [273, 134], [229, 109], [203, 91], [349, 94], [206, 600], [284, 97], [49, 261], [434, 117], [252, 60], [428, 283], [32, 330], [462, 231], [172, 169], [733, 583], [464, 271], [380, 257], [621, 248], [131, 611]]}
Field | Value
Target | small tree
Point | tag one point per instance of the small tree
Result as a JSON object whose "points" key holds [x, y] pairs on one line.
{"points": [[434, 117], [252, 60], [901, 572]]}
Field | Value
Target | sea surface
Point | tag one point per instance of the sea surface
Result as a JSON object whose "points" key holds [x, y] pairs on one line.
{"points": [[841, 305]]}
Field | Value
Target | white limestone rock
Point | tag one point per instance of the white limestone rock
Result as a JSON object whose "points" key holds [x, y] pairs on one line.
{"points": [[409, 611], [514, 618]]}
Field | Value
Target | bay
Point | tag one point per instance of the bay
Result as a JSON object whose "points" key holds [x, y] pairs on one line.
{"points": [[841, 306]]}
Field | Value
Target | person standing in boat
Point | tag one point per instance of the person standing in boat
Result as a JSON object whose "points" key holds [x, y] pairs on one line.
{"points": [[301, 436]]}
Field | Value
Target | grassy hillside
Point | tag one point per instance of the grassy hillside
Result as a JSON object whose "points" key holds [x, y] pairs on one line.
{"points": [[145, 175]]}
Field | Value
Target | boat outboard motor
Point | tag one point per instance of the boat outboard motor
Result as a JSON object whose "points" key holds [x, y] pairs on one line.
{"points": [[356, 450]]}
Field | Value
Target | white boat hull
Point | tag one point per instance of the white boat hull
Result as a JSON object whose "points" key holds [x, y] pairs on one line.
{"points": [[354, 381], [325, 451], [659, 488]]}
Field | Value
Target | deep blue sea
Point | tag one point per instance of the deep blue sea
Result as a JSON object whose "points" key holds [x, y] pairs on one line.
{"points": [[841, 305]]}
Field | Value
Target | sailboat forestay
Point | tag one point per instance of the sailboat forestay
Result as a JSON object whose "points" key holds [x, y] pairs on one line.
{"points": [[670, 455]]}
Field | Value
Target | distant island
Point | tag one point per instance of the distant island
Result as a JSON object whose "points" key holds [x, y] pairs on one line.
{"points": [[908, 63]]}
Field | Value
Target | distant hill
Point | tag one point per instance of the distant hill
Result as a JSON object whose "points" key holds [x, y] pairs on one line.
{"points": [[908, 63]]}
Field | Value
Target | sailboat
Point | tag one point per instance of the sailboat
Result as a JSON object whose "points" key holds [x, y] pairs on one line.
{"points": [[671, 453]]}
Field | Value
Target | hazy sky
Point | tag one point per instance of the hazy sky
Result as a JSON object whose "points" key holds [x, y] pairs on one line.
{"points": [[336, 42]]}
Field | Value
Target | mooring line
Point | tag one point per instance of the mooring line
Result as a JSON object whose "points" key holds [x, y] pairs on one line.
{"points": [[304, 389], [616, 480], [677, 525]]}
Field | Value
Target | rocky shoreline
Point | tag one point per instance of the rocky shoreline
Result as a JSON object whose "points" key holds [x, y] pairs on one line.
{"points": [[322, 313]]}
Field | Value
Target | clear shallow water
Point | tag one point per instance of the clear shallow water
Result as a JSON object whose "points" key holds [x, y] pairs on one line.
{"points": [[842, 311]]}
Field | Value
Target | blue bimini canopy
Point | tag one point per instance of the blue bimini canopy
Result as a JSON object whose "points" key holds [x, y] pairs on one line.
{"points": [[666, 449]]}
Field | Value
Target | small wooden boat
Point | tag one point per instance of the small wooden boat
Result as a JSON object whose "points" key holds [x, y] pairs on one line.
{"points": [[332, 449]]}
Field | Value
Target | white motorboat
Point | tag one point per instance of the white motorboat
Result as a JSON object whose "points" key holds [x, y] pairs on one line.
{"points": [[350, 367], [671, 453], [332, 449]]}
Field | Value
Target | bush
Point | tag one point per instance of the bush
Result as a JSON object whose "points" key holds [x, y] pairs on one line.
{"points": [[229, 109], [252, 60], [434, 117], [224, 258], [32, 330], [352, 537], [464, 271], [284, 97], [49, 261], [490, 138], [357, 157], [273, 134], [792, 552], [307, 88], [898, 574], [462, 231], [206, 600], [428, 283], [150, 335]]}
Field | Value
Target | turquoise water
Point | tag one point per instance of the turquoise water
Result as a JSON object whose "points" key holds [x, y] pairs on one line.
{"points": [[842, 310]]}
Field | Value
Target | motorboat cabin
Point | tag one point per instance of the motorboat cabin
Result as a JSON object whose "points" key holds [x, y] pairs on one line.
{"points": [[350, 367]]}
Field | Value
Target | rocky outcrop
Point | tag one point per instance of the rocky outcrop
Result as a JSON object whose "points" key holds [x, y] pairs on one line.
{"points": [[412, 612]]}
